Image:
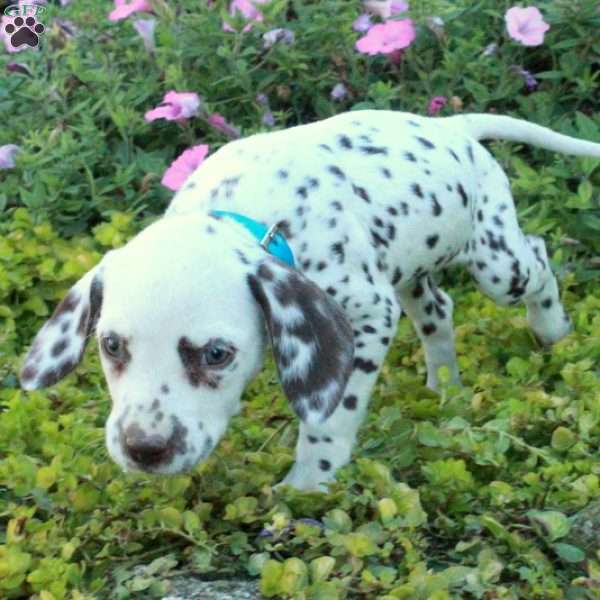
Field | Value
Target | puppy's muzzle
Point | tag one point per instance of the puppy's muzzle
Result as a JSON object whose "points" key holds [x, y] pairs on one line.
{"points": [[147, 450]]}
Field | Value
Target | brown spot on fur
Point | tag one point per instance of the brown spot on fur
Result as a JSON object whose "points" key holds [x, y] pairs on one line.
{"points": [[29, 372], [197, 373], [83, 321], [120, 363], [59, 348], [179, 435], [52, 376], [67, 305]]}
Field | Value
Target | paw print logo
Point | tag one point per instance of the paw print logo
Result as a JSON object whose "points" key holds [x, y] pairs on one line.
{"points": [[24, 31]]}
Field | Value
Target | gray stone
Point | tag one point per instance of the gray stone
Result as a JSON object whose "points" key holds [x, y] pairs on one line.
{"points": [[190, 588]]}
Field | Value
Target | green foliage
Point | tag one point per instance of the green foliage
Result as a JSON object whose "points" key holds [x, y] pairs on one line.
{"points": [[470, 494]]}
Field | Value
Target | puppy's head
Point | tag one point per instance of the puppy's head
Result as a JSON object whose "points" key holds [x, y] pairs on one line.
{"points": [[180, 315]]}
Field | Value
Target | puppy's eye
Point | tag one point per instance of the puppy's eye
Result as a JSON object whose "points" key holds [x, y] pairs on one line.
{"points": [[111, 344], [216, 354]]}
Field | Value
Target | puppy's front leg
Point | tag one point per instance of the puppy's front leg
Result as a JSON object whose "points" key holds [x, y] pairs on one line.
{"points": [[322, 449]]}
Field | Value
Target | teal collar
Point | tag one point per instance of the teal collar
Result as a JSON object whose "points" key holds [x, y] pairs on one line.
{"points": [[274, 243]]}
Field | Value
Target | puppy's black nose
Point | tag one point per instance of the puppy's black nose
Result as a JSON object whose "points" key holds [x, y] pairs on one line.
{"points": [[145, 450]]}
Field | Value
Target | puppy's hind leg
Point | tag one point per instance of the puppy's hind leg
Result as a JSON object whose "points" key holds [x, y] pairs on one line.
{"points": [[545, 313], [511, 267], [430, 310]]}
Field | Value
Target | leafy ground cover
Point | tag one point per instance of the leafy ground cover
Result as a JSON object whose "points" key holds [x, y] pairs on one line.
{"points": [[465, 495]]}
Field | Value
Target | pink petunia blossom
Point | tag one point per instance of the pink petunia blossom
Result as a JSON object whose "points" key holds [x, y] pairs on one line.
{"points": [[7, 156], [123, 10], [528, 78], [385, 8], [248, 10], [176, 106], [145, 27], [398, 6], [15, 67], [387, 37], [526, 25], [362, 23], [183, 166], [436, 104], [218, 122], [339, 91]]}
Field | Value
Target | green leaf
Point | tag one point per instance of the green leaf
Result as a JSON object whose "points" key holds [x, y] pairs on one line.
{"points": [[569, 553], [270, 579], [518, 368], [338, 520], [359, 544], [320, 568], [563, 438], [294, 576], [554, 524]]}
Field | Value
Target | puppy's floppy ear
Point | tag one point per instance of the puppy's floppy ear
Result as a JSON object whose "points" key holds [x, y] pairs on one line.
{"points": [[59, 345], [311, 337]]}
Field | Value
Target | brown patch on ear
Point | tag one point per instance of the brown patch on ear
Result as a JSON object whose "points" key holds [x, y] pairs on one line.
{"points": [[59, 348], [83, 320], [28, 373], [86, 324], [60, 343], [67, 305], [56, 374], [96, 298], [314, 349]]}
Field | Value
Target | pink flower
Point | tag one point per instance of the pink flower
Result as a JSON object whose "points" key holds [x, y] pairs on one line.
{"points": [[218, 122], [436, 104], [362, 23], [398, 6], [145, 27], [176, 106], [183, 166], [248, 11], [387, 37], [339, 91], [15, 67], [385, 8], [123, 10], [7, 156], [526, 25]]}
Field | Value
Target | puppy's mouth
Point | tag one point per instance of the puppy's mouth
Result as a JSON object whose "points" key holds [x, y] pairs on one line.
{"points": [[157, 457]]}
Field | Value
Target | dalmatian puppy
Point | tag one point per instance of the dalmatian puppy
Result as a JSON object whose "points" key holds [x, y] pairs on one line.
{"points": [[371, 203]]}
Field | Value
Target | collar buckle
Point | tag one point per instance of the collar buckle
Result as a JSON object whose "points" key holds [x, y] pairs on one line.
{"points": [[268, 237]]}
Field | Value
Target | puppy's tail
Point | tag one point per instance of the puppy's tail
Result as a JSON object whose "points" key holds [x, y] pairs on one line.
{"points": [[498, 127]]}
